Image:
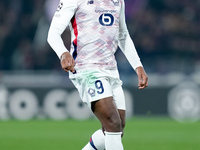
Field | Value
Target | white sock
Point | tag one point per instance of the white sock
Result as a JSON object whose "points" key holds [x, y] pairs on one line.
{"points": [[113, 141], [97, 141]]}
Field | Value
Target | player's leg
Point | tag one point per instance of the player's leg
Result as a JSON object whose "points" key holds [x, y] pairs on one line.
{"points": [[122, 114], [97, 140], [108, 114]]}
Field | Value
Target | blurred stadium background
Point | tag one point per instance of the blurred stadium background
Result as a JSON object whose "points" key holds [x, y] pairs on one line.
{"points": [[33, 87]]}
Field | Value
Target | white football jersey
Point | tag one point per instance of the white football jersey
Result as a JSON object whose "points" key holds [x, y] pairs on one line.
{"points": [[97, 27]]}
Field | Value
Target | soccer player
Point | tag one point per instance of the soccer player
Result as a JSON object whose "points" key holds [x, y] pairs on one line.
{"points": [[97, 28]]}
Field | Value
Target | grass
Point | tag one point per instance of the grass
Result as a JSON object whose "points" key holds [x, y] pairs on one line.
{"points": [[140, 134]]}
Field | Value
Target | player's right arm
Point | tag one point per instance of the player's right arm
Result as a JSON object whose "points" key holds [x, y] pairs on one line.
{"points": [[66, 10]]}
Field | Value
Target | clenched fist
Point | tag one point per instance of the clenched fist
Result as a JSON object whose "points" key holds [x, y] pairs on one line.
{"points": [[67, 62]]}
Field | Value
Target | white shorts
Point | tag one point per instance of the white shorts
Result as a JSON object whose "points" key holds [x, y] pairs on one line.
{"points": [[96, 84]]}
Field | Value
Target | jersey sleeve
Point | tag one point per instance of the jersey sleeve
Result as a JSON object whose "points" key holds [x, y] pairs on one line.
{"points": [[65, 11], [125, 42]]}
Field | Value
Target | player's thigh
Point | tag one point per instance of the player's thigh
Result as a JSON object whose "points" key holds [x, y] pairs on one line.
{"points": [[105, 108]]}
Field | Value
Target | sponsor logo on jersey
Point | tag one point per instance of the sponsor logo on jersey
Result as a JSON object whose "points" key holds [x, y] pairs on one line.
{"points": [[116, 2], [60, 5], [105, 11], [91, 92], [106, 19]]}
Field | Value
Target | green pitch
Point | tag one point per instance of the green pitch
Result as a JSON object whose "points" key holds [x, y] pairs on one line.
{"points": [[140, 134]]}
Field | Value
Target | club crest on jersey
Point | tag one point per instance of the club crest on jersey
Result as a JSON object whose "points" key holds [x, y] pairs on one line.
{"points": [[90, 2], [116, 2], [91, 92], [60, 6]]}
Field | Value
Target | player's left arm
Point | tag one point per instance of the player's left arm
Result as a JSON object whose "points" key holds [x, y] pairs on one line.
{"points": [[128, 48]]}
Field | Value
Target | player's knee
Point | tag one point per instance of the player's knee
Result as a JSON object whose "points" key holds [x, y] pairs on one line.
{"points": [[117, 124], [114, 124]]}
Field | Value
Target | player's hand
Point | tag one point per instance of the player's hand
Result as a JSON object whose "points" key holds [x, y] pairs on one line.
{"points": [[142, 78], [67, 62]]}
